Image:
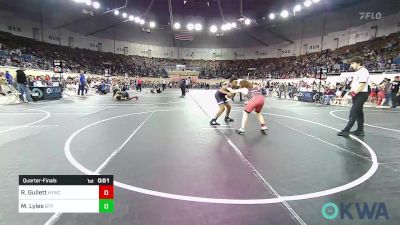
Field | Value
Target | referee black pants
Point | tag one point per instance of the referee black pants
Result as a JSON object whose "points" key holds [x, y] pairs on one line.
{"points": [[183, 91], [356, 112], [395, 100]]}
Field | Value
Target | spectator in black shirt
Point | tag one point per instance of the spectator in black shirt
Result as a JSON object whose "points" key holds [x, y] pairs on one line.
{"points": [[22, 85], [395, 92], [183, 87]]}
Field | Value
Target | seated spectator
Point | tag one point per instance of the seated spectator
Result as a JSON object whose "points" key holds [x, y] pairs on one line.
{"points": [[374, 92], [2, 82], [124, 86], [329, 94], [2, 79], [102, 88], [396, 60], [116, 89], [156, 89], [381, 96], [9, 78]]}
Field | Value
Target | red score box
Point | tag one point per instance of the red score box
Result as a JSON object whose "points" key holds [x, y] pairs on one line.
{"points": [[106, 191]]}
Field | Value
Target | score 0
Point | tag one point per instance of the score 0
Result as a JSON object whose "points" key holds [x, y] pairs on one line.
{"points": [[106, 198]]}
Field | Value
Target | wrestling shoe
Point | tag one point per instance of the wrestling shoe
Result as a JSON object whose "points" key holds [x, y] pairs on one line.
{"points": [[343, 133], [240, 131], [359, 133], [264, 129], [213, 122], [227, 119]]}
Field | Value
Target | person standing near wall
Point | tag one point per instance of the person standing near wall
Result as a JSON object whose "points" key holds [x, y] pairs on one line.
{"points": [[359, 93], [281, 89], [394, 88], [183, 87], [188, 83], [163, 84], [88, 84], [139, 84], [22, 84], [82, 84]]}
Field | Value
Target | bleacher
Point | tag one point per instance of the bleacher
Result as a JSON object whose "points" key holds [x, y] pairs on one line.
{"points": [[381, 54]]}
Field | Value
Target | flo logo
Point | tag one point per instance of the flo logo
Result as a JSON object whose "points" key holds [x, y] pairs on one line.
{"points": [[370, 15], [363, 211]]}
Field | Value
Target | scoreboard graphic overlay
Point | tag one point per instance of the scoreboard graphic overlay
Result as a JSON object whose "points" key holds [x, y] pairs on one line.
{"points": [[66, 194]]}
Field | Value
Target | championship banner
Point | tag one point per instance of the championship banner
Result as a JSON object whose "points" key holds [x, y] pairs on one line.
{"points": [[308, 96], [45, 93]]}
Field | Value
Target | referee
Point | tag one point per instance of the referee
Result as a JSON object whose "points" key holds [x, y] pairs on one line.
{"points": [[359, 93]]}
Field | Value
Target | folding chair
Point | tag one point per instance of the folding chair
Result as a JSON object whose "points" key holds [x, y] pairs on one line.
{"points": [[11, 94]]}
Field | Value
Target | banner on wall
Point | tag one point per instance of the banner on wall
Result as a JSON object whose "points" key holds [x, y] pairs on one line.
{"points": [[107, 73], [180, 67]]}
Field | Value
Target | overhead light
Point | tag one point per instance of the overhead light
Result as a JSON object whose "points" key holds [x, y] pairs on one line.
{"points": [[124, 15], [233, 25], [247, 21], [152, 24], [96, 5], [116, 12], [190, 26], [297, 8], [141, 22], [284, 14], [271, 16], [79, 1], [177, 26], [223, 27], [213, 29], [88, 2], [315, 1], [307, 3], [198, 27], [131, 18], [226, 26], [137, 19]]}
